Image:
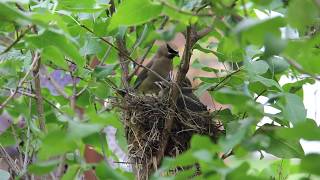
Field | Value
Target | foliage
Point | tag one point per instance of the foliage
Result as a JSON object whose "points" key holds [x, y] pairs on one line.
{"points": [[79, 71]]}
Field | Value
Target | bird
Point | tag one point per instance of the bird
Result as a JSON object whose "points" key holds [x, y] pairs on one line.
{"points": [[188, 100], [162, 64]]}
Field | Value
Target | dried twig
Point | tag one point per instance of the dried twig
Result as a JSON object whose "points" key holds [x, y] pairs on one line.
{"points": [[9, 160]]}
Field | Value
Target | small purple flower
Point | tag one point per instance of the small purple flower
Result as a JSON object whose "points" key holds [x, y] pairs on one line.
{"points": [[60, 77]]}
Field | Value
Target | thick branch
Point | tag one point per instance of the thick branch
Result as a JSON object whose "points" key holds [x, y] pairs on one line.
{"points": [[123, 63], [192, 36]]}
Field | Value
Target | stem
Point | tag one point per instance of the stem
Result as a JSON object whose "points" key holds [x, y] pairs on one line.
{"points": [[34, 62], [39, 99]]}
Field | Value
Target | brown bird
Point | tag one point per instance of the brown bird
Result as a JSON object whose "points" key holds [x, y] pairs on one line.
{"points": [[161, 63], [188, 100]]}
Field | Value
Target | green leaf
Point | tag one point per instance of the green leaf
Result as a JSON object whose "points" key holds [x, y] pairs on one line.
{"points": [[44, 167], [293, 108], [203, 88], [297, 86], [55, 143], [230, 96], [7, 13], [277, 64], [7, 138], [229, 50], [71, 173], [265, 82], [235, 133], [78, 130], [304, 53], [311, 164], [203, 155], [280, 147], [89, 6], [53, 54], [256, 31], [134, 12], [303, 13], [176, 15], [101, 72], [201, 142], [307, 130], [104, 171], [258, 67], [59, 41]]}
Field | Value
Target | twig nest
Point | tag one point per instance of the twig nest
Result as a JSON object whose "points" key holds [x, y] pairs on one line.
{"points": [[144, 118]]}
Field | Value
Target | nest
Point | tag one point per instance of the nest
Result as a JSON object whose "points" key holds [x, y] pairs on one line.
{"points": [[144, 119]]}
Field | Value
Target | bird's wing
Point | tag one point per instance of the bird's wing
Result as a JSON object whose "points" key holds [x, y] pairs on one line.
{"points": [[142, 75]]}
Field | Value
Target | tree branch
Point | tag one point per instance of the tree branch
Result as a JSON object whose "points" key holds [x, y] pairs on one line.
{"points": [[224, 79], [123, 63], [164, 3], [9, 160], [39, 99], [148, 50], [300, 69], [34, 62], [192, 36], [125, 54], [17, 40]]}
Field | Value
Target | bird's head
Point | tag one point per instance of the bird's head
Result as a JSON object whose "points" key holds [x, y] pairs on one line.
{"points": [[168, 50]]}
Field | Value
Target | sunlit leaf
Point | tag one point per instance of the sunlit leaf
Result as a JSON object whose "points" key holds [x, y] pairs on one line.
{"points": [[135, 12]]}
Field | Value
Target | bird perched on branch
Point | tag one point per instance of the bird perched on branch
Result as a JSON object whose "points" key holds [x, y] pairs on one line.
{"points": [[161, 63]]}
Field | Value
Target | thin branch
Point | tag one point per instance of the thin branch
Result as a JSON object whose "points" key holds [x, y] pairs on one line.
{"points": [[20, 92], [17, 40], [61, 167], [164, 3], [9, 160], [74, 93], [55, 84], [125, 54], [39, 99], [255, 99], [33, 96], [141, 61], [245, 12], [166, 18], [224, 79], [34, 62], [300, 69]]}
